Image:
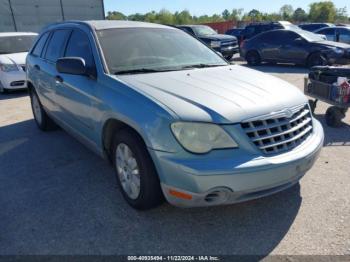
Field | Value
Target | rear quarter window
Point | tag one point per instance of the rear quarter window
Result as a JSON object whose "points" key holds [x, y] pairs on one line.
{"points": [[40, 44]]}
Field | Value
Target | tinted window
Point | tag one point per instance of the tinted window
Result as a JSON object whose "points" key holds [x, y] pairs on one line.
{"points": [[56, 45], [79, 46], [270, 38], [40, 45], [288, 36]]}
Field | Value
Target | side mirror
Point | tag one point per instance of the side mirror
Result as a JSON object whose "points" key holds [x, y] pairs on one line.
{"points": [[71, 65]]}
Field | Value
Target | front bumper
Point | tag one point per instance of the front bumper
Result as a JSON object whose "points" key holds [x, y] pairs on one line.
{"points": [[203, 185], [228, 50], [13, 80]]}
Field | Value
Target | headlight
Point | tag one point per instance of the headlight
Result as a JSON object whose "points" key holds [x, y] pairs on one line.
{"points": [[215, 44], [8, 67], [338, 50], [201, 138]]}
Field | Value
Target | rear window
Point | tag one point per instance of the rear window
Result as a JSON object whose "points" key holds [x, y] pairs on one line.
{"points": [[16, 44], [40, 45], [56, 45]]}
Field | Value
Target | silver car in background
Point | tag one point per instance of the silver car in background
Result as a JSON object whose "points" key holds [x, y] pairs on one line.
{"points": [[13, 52]]}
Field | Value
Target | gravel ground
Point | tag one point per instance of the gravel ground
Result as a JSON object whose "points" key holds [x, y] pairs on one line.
{"points": [[56, 197]]}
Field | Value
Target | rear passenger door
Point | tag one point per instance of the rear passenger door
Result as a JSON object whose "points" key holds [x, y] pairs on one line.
{"points": [[53, 50], [268, 45], [37, 77], [75, 94], [294, 48]]}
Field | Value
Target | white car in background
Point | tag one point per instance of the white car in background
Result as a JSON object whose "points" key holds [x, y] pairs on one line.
{"points": [[13, 51]]}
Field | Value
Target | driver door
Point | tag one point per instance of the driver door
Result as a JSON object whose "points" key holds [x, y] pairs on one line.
{"points": [[75, 94]]}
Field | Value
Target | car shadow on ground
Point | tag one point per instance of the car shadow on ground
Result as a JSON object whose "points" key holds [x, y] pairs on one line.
{"points": [[57, 197], [339, 136], [13, 94]]}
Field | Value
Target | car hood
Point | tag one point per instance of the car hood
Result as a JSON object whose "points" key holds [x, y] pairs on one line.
{"points": [[334, 44], [226, 94], [219, 37], [17, 58]]}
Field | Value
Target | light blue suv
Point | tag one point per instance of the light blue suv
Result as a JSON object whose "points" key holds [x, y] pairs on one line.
{"points": [[174, 118]]}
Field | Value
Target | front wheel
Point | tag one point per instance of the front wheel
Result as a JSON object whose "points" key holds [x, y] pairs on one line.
{"points": [[334, 115], [136, 174], [253, 58], [43, 121]]}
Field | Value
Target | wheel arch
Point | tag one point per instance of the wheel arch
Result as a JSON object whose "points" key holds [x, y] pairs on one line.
{"points": [[112, 126]]}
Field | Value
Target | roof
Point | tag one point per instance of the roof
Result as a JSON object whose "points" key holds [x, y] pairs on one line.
{"points": [[16, 34], [108, 24]]}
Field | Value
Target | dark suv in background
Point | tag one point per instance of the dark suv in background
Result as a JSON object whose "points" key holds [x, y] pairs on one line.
{"points": [[225, 44]]}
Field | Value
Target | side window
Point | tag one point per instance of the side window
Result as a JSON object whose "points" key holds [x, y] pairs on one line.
{"points": [[79, 46], [270, 38], [344, 35], [328, 32], [288, 37], [56, 45], [40, 44]]}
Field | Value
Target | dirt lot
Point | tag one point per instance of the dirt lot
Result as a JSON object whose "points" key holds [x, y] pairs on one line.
{"points": [[56, 197]]}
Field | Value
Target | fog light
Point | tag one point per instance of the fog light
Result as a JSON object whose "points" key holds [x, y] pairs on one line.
{"points": [[218, 196]]}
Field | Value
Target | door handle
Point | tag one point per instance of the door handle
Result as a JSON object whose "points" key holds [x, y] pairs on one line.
{"points": [[37, 67], [58, 79]]}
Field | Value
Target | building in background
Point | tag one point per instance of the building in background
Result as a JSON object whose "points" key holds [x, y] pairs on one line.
{"points": [[32, 15]]}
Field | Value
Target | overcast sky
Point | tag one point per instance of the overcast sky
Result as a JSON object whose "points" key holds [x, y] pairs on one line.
{"points": [[200, 7]]}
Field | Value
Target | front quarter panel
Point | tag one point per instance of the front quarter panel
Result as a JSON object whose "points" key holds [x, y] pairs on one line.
{"points": [[151, 120]]}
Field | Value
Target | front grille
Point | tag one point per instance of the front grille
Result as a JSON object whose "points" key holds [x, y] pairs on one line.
{"points": [[229, 43], [278, 133]]}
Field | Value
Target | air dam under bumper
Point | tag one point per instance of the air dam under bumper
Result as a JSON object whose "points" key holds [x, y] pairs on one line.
{"points": [[261, 177]]}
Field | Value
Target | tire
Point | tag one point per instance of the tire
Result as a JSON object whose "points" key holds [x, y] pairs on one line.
{"points": [[2, 89], [316, 59], [43, 121], [334, 115], [135, 171], [253, 58]]}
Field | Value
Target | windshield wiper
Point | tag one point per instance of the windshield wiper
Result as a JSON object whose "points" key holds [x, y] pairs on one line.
{"points": [[139, 70], [200, 66]]}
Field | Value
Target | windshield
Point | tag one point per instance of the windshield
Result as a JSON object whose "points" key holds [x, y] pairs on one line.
{"points": [[204, 30], [16, 44], [146, 49], [309, 36]]}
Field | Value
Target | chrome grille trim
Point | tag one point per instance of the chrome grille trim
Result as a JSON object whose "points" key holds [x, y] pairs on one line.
{"points": [[277, 133]]}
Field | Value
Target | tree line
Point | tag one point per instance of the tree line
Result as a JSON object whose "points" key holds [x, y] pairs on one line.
{"points": [[324, 11]]}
